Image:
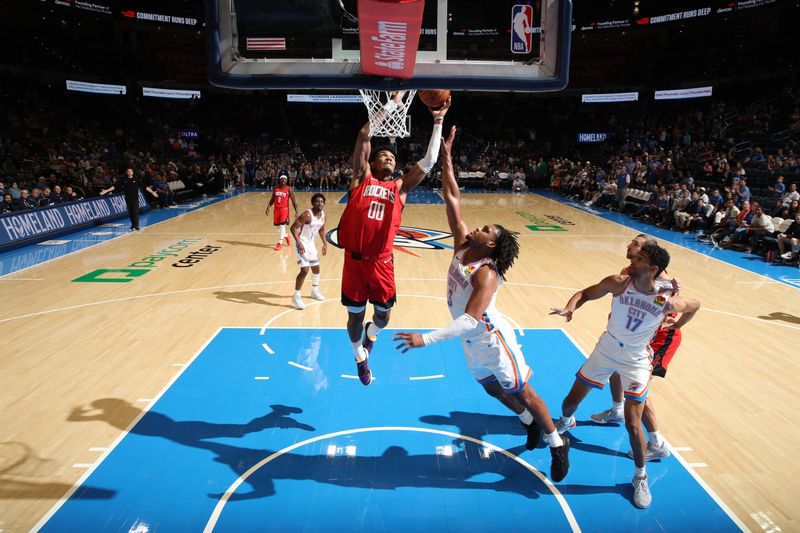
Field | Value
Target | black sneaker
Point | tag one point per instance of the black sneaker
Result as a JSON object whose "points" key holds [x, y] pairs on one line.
{"points": [[559, 463], [364, 373], [534, 433], [369, 342]]}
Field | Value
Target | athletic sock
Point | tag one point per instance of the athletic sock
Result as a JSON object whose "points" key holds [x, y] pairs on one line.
{"points": [[359, 351], [373, 331], [297, 293], [656, 439], [553, 439], [617, 406], [640, 472], [283, 232], [315, 280], [526, 417]]}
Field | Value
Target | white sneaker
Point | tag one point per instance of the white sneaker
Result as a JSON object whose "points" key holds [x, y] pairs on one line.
{"points": [[297, 301], [654, 452], [641, 493], [609, 415], [787, 256], [562, 426], [317, 295]]}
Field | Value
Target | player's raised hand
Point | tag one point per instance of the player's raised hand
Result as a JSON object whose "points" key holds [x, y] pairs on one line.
{"points": [[441, 111], [561, 312], [676, 285], [410, 340]]}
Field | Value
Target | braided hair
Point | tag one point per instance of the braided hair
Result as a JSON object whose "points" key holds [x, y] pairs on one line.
{"points": [[506, 249]]}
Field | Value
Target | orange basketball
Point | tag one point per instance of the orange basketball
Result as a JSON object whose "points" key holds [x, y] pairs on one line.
{"points": [[434, 98]]}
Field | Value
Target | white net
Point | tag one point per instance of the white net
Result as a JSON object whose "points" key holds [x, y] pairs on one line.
{"points": [[385, 119]]}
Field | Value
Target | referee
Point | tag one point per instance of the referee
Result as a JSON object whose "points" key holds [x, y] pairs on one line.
{"points": [[130, 185]]}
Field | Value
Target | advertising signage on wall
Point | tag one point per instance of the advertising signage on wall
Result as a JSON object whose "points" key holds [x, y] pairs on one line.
{"points": [[98, 88], [609, 97], [37, 224], [595, 137]]}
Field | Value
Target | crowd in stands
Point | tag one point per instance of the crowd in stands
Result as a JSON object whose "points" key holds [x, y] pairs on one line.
{"points": [[678, 167], [699, 176]]}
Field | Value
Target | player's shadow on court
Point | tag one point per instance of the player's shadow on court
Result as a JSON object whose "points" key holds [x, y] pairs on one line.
{"points": [[479, 425], [120, 414], [251, 244], [251, 297], [395, 468], [19, 468], [476, 425], [783, 317]]}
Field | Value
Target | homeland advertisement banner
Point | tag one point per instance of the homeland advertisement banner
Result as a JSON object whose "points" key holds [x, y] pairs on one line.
{"points": [[40, 224]]}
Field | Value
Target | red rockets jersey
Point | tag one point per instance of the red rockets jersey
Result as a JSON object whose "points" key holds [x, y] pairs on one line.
{"points": [[372, 217]]}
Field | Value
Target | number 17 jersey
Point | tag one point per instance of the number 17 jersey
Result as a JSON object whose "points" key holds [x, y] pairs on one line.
{"points": [[372, 217], [635, 316]]}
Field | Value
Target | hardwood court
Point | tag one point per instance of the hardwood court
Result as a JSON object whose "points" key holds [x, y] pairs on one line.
{"points": [[729, 402]]}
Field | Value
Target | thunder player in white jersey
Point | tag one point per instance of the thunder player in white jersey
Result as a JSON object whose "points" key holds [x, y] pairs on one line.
{"points": [[305, 229], [476, 273], [638, 308]]}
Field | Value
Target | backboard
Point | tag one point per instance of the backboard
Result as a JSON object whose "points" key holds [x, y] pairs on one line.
{"points": [[496, 45]]}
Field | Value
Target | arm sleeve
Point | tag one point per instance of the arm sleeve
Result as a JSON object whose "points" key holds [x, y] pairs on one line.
{"points": [[427, 162], [456, 328]]}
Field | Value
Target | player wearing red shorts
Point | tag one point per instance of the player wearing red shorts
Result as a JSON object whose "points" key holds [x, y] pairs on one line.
{"points": [[367, 230], [281, 194], [664, 345]]}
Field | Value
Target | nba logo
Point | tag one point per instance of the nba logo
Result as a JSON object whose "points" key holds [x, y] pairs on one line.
{"points": [[521, 28]]}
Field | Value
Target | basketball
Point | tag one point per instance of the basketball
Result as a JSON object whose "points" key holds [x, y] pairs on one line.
{"points": [[434, 98]]}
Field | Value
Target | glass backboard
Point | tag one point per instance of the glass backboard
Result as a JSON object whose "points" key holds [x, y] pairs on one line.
{"points": [[496, 45]]}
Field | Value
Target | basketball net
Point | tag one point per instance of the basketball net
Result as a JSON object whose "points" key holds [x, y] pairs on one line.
{"points": [[387, 122]]}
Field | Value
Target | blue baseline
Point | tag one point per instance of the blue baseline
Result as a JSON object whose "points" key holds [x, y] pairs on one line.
{"points": [[753, 263], [31, 255], [416, 196], [217, 421]]}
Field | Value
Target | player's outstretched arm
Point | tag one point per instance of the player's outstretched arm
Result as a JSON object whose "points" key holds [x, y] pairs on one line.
{"points": [[452, 196], [612, 284], [361, 156], [297, 227], [484, 283], [424, 165], [687, 307]]}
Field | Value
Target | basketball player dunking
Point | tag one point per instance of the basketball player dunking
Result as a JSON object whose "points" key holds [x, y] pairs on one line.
{"points": [[281, 194], [476, 273], [638, 308], [367, 230]]}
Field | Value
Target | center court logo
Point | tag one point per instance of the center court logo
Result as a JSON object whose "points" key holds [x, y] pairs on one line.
{"points": [[407, 237], [146, 264]]}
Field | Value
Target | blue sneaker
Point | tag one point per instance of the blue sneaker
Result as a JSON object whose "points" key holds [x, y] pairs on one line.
{"points": [[364, 373]]}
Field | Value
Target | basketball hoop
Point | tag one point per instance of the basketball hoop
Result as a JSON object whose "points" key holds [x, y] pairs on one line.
{"points": [[387, 119]]}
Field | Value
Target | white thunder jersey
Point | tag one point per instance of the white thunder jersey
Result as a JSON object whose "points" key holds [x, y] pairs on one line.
{"points": [[635, 316], [490, 350], [309, 231], [459, 288]]}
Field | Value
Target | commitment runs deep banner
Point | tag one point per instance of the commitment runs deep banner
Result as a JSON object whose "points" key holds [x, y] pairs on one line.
{"points": [[40, 224]]}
